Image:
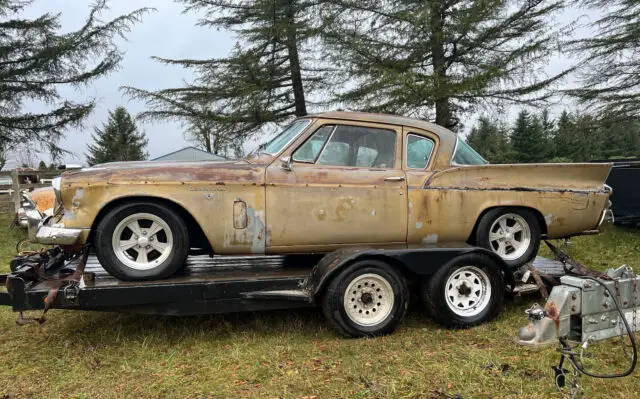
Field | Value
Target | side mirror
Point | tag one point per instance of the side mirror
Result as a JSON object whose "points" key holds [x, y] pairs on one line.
{"points": [[286, 163]]}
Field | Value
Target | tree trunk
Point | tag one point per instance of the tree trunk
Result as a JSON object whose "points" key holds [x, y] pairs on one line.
{"points": [[206, 137], [440, 80], [294, 61]]}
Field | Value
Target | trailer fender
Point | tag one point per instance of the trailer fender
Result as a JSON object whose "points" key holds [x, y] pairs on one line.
{"points": [[421, 262]]}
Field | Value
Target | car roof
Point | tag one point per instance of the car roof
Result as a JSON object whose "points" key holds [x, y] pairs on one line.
{"points": [[389, 119]]}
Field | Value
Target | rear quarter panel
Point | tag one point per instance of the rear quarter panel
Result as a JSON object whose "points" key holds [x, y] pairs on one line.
{"points": [[569, 198]]}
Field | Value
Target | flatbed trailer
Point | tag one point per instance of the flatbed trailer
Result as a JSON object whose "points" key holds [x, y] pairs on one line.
{"points": [[343, 282]]}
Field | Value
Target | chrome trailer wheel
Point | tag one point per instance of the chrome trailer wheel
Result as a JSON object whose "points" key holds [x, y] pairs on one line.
{"points": [[367, 298], [468, 291]]}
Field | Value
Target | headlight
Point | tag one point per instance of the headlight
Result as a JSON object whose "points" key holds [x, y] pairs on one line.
{"points": [[57, 183]]}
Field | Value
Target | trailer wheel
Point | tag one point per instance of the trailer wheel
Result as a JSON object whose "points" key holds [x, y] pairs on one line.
{"points": [[466, 292], [368, 298], [141, 241], [513, 234]]}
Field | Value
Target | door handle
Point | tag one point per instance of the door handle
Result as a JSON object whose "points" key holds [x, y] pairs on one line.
{"points": [[394, 178]]}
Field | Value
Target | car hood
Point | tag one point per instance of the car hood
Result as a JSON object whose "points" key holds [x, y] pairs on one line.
{"points": [[146, 172]]}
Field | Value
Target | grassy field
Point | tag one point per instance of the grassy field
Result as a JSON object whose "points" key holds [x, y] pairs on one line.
{"points": [[287, 354]]}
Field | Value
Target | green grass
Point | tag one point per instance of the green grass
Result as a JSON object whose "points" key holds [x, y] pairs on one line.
{"points": [[286, 354]]}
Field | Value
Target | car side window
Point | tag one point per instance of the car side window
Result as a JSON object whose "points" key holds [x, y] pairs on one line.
{"points": [[336, 154], [359, 146], [310, 150], [419, 150]]}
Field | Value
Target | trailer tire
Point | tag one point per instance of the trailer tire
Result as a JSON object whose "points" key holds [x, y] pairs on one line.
{"points": [[491, 235], [368, 298], [466, 292], [160, 233]]}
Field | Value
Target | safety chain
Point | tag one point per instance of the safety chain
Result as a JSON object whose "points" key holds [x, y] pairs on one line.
{"points": [[560, 380]]}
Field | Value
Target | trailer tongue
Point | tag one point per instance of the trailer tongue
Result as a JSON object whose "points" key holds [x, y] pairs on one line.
{"points": [[586, 307]]}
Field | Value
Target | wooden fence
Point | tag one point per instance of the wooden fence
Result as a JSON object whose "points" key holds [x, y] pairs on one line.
{"points": [[13, 182]]}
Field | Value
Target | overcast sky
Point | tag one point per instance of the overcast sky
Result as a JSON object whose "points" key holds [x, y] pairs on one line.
{"points": [[169, 33]]}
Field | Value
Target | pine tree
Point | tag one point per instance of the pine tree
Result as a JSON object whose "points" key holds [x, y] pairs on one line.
{"points": [[118, 140], [581, 137], [36, 60], [42, 165], [564, 138], [588, 139], [548, 129], [609, 59], [619, 138], [491, 140], [529, 141], [439, 59], [265, 78]]}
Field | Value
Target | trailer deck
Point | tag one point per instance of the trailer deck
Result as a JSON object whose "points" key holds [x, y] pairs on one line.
{"points": [[206, 285]]}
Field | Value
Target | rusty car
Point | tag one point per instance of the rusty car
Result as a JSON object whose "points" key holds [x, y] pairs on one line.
{"points": [[327, 181]]}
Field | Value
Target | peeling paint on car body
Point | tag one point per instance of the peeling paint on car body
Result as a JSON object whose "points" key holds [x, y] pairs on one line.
{"points": [[320, 208], [431, 239], [548, 219]]}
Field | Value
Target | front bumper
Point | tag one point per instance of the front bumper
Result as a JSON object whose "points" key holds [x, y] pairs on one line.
{"points": [[42, 230]]}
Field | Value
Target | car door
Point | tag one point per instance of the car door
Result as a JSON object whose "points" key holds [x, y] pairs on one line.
{"points": [[420, 148], [345, 186]]}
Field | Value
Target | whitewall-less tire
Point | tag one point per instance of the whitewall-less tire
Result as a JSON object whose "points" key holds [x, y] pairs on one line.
{"points": [[141, 241]]}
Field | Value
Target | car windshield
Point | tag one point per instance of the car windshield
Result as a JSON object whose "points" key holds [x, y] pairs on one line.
{"points": [[465, 155], [276, 144]]}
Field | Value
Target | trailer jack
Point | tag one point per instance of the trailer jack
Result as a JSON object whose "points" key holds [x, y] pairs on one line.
{"points": [[586, 307]]}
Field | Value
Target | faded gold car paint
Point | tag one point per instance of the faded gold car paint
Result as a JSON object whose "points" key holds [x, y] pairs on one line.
{"points": [[256, 206]]}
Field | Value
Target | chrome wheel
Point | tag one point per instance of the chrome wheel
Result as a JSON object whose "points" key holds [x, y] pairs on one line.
{"points": [[510, 236], [142, 241], [468, 291], [368, 300]]}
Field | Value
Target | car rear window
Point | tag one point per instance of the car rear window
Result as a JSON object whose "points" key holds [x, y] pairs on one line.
{"points": [[465, 155]]}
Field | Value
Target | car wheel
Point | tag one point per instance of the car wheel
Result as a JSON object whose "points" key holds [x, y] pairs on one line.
{"points": [[513, 234], [368, 298], [141, 241], [466, 292]]}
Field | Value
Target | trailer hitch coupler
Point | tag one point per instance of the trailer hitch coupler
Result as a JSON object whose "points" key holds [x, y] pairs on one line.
{"points": [[536, 312]]}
